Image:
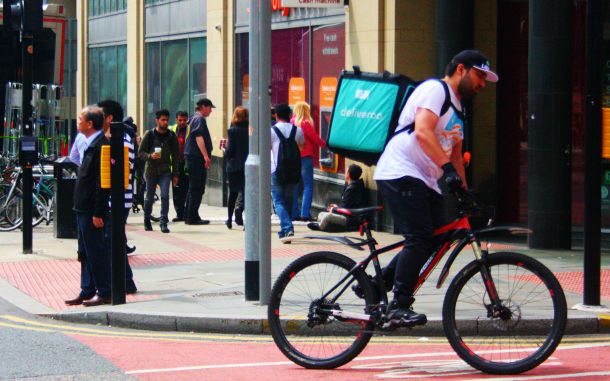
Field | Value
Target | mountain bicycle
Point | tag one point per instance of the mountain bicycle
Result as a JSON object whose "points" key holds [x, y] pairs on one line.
{"points": [[503, 313]]}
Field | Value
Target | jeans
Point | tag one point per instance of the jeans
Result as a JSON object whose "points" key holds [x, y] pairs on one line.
{"points": [[95, 262], [197, 178], [151, 186], [417, 210], [282, 195], [180, 192], [307, 181]]}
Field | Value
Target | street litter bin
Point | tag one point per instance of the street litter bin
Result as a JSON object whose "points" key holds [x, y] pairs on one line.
{"points": [[64, 217]]}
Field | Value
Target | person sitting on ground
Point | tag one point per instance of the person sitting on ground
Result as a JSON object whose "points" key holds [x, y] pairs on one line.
{"points": [[353, 196]]}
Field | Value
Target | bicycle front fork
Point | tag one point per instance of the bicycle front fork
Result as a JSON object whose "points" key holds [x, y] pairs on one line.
{"points": [[490, 286]]}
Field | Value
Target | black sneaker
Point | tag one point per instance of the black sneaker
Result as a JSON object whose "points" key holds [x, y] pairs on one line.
{"points": [[130, 249], [401, 316], [147, 225], [164, 228]]}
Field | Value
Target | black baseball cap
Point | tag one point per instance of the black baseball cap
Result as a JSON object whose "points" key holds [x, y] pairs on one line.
{"points": [[205, 102], [475, 59]]}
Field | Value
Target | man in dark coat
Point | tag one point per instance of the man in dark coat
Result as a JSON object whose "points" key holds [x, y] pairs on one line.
{"points": [[198, 156], [91, 206]]}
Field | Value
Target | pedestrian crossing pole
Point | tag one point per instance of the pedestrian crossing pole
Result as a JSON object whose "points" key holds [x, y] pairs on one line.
{"points": [[258, 177], [117, 192]]}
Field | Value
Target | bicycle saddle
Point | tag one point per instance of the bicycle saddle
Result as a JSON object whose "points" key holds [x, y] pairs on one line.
{"points": [[358, 213]]}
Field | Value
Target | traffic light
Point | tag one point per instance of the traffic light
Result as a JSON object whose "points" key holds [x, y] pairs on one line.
{"points": [[25, 15]]}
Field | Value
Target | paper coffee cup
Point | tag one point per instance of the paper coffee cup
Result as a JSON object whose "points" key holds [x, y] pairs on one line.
{"points": [[158, 150]]}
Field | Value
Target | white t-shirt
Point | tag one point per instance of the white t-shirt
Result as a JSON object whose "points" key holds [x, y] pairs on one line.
{"points": [[285, 129], [403, 156]]}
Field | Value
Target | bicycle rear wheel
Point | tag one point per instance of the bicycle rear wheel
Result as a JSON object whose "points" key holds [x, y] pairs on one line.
{"points": [[316, 333], [525, 331]]}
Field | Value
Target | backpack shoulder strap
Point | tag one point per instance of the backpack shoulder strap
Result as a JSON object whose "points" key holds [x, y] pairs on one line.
{"points": [[447, 103], [293, 132], [278, 133]]}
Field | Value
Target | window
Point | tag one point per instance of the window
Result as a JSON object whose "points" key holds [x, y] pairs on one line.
{"points": [[108, 74], [175, 75], [101, 7], [309, 53], [197, 71]]}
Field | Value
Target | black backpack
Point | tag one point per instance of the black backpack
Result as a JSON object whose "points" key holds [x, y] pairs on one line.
{"points": [[288, 158]]}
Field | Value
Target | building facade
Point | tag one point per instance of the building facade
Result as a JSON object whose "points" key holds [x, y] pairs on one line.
{"points": [[151, 54]]}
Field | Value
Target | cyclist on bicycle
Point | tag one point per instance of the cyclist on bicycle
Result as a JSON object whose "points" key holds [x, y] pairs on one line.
{"points": [[412, 163]]}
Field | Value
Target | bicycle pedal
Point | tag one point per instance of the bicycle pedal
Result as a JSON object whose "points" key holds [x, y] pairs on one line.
{"points": [[400, 323]]}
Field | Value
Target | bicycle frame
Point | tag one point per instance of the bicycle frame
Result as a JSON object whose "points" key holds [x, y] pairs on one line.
{"points": [[458, 233]]}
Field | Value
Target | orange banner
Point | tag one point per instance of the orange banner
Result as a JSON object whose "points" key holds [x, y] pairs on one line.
{"points": [[328, 88], [296, 90]]}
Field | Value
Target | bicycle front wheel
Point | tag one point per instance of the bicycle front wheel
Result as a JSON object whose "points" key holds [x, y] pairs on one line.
{"points": [[317, 332], [519, 335]]}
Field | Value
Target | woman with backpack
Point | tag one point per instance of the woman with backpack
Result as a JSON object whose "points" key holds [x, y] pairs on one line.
{"points": [[235, 154], [302, 118]]}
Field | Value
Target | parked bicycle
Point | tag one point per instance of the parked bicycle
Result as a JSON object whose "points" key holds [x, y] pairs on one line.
{"points": [[11, 195], [503, 313]]}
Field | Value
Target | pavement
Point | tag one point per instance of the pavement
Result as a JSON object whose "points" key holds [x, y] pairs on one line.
{"points": [[193, 278]]}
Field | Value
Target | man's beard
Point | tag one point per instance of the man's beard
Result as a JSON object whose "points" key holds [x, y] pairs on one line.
{"points": [[465, 89]]}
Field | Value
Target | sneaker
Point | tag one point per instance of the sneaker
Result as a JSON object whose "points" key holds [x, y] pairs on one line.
{"points": [[287, 238], [164, 228], [314, 226], [147, 225], [403, 316], [229, 224], [130, 249]]}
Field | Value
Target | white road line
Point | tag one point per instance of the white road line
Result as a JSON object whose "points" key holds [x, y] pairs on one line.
{"points": [[364, 358], [201, 367]]}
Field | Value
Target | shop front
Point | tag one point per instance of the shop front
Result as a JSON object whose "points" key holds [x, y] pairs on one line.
{"points": [[307, 57]]}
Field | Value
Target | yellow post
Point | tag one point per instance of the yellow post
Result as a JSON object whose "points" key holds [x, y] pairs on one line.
{"points": [[105, 167]]}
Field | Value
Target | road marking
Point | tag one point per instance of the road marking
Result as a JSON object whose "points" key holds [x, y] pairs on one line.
{"points": [[357, 359], [17, 326], [547, 377], [202, 367]]}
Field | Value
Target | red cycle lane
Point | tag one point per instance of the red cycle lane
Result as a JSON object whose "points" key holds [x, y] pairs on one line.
{"points": [[230, 359]]}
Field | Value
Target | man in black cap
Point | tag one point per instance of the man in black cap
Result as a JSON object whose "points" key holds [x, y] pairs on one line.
{"points": [[198, 157], [413, 162]]}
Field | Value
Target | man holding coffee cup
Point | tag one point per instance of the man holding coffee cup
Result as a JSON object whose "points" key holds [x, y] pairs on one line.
{"points": [[159, 149]]}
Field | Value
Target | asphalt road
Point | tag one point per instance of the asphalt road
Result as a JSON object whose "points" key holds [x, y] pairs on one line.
{"points": [[41, 349], [46, 354]]}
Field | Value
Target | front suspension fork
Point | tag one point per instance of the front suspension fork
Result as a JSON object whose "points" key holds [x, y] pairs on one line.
{"points": [[490, 286]]}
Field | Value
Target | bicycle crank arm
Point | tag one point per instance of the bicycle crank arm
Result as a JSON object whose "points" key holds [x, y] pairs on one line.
{"points": [[346, 315]]}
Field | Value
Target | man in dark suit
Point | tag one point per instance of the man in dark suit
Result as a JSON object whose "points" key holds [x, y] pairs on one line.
{"points": [[91, 206]]}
